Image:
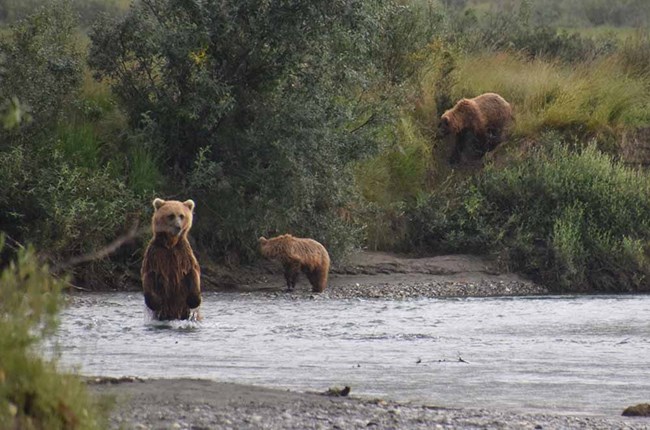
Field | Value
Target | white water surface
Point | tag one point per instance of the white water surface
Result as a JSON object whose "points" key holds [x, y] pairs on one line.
{"points": [[585, 354]]}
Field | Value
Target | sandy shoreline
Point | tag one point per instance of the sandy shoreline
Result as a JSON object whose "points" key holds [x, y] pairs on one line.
{"points": [[203, 404]]}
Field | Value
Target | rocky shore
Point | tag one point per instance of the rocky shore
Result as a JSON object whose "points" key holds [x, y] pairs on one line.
{"points": [[201, 405], [387, 276]]}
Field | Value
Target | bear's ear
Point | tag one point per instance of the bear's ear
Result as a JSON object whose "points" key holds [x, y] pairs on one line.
{"points": [[189, 204], [262, 239], [157, 203]]}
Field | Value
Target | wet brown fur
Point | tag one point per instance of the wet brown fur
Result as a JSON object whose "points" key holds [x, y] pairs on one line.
{"points": [[486, 116], [170, 272], [298, 254]]}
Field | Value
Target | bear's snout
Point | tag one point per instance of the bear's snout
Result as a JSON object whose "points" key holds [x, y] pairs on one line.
{"points": [[175, 226]]}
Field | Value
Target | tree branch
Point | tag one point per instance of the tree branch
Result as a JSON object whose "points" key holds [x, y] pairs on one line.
{"points": [[102, 252]]}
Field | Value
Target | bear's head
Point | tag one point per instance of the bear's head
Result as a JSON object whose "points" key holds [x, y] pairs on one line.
{"points": [[454, 120], [443, 127], [270, 248], [172, 218]]}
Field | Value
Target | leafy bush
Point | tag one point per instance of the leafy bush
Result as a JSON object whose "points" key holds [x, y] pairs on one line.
{"points": [[576, 13], [278, 94], [62, 190], [515, 29], [33, 394], [65, 209], [88, 10], [574, 221], [42, 65]]}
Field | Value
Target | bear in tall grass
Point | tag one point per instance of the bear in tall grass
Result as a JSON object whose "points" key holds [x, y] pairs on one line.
{"points": [[171, 276], [486, 117], [298, 254]]}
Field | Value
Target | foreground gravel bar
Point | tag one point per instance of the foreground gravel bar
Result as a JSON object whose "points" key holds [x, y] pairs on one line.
{"points": [[200, 404]]}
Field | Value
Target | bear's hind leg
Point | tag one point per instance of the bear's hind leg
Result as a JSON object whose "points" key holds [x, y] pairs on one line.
{"points": [[318, 281]]}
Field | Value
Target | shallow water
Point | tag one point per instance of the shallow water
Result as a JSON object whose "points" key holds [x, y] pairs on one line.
{"points": [[561, 354]]}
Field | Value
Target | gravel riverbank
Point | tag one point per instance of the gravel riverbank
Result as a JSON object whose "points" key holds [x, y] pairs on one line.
{"points": [[200, 404], [381, 275]]}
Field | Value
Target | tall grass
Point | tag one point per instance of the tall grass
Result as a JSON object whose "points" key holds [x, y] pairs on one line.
{"points": [[595, 97], [634, 55], [80, 144], [398, 174], [144, 174]]}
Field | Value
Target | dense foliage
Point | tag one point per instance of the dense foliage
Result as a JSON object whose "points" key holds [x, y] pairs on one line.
{"points": [[315, 118], [576, 221], [257, 109], [87, 10], [58, 191]]}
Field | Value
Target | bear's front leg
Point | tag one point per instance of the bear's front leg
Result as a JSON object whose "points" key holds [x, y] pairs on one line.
{"points": [[291, 271], [149, 285], [191, 283], [152, 301], [458, 148]]}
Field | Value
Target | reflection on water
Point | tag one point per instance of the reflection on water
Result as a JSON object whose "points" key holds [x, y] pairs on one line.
{"points": [[566, 354]]}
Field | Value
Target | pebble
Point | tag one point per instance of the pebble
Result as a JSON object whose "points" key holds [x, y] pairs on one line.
{"points": [[354, 413]]}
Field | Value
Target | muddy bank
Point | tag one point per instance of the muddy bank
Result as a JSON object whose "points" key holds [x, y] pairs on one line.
{"points": [[200, 404]]}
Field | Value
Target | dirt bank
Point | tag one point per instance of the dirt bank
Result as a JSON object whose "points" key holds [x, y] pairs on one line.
{"points": [[200, 404], [383, 275]]}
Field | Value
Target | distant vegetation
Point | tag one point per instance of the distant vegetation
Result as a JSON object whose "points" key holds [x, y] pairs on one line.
{"points": [[319, 118]]}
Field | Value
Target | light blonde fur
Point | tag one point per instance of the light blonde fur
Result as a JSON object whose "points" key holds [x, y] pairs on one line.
{"points": [[298, 254]]}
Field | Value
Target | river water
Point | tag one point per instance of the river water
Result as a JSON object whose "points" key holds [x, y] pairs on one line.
{"points": [[562, 354]]}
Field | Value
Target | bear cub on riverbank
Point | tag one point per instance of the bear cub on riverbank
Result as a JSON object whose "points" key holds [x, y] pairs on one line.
{"points": [[485, 116], [298, 254], [170, 272]]}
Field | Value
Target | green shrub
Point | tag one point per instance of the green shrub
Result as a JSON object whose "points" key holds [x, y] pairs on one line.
{"points": [[621, 13], [79, 144], [279, 94], [577, 222], [33, 394], [88, 10], [65, 209], [516, 29], [64, 179], [42, 65]]}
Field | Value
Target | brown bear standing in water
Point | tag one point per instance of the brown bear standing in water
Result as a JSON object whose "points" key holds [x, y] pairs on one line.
{"points": [[297, 254], [485, 116], [170, 272]]}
